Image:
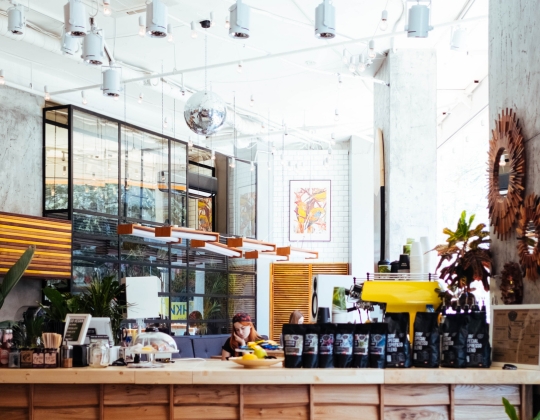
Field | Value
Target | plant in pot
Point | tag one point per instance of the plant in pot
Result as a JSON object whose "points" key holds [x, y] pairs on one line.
{"points": [[339, 306], [27, 336], [511, 411], [468, 259], [60, 305]]}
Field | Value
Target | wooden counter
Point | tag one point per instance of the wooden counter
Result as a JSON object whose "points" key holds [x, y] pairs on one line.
{"points": [[224, 390]]}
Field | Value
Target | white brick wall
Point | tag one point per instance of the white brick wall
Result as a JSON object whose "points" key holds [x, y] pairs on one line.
{"points": [[310, 166]]}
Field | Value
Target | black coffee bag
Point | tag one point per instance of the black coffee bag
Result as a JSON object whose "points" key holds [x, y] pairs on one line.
{"points": [[427, 341], [377, 345], [326, 345], [310, 356], [398, 346], [454, 331], [343, 345], [478, 347], [293, 344], [361, 346]]}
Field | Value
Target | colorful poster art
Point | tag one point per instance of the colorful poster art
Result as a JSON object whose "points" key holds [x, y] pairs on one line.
{"points": [[310, 211]]}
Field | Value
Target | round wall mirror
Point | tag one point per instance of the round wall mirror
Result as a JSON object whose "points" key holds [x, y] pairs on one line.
{"points": [[528, 234], [506, 173]]}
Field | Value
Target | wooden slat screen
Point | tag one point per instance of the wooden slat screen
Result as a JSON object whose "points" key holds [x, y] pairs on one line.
{"points": [[51, 237], [290, 289]]}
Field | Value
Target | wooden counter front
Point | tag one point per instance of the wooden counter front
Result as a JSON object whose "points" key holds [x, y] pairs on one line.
{"points": [[223, 390]]}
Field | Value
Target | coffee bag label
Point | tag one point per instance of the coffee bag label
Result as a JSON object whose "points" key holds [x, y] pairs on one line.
{"points": [[311, 344], [344, 344], [293, 344], [377, 344], [361, 344], [326, 344]]}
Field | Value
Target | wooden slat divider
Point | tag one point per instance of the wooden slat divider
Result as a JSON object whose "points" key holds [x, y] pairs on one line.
{"points": [[102, 402], [241, 402], [311, 403], [381, 402], [52, 238], [171, 402], [452, 404], [31, 402]]}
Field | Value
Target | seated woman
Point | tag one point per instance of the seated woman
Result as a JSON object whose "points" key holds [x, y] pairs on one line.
{"points": [[243, 332], [296, 318]]}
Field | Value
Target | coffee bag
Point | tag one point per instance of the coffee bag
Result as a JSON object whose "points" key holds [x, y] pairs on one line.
{"points": [[478, 347], [454, 332], [361, 346], [377, 345], [293, 344], [426, 342], [343, 345], [326, 345], [398, 346], [310, 355]]}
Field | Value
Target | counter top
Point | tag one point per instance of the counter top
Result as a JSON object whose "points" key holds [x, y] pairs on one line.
{"points": [[217, 372]]}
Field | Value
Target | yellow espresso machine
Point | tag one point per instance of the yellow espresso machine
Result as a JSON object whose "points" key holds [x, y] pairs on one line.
{"points": [[397, 293]]}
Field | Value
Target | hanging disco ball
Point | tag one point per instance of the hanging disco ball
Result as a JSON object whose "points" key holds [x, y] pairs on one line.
{"points": [[205, 113]]}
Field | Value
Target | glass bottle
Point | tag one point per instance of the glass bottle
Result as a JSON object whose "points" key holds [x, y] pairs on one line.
{"points": [[99, 354], [14, 358]]}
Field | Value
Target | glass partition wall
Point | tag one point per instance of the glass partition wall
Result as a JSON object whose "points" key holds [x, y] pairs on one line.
{"points": [[100, 172]]}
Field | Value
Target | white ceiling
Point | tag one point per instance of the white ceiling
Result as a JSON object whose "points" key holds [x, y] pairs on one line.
{"points": [[300, 88]]}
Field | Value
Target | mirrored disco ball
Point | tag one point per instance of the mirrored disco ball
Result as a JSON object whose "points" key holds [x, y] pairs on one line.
{"points": [[205, 113]]}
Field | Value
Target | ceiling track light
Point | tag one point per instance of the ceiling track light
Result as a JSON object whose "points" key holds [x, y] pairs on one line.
{"points": [[156, 19], [94, 46], [212, 20], [194, 33], [47, 94], [107, 7], [362, 64], [170, 38], [190, 142], [227, 22], [459, 40], [383, 25], [252, 167], [352, 64], [2, 78], [70, 46], [232, 163], [239, 20], [142, 26], [84, 101], [75, 19], [16, 19], [325, 20], [112, 81], [418, 22], [372, 53], [333, 139]]}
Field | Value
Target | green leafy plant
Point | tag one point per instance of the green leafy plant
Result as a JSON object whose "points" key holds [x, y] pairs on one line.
{"points": [[28, 332], [61, 304], [15, 273], [511, 411], [466, 250], [338, 300]]}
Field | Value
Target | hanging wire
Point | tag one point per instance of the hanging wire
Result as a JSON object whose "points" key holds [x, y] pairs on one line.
{"points": [[205, 62]]}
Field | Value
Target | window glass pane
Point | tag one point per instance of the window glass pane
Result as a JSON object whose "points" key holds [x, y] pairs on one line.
{"points": [[56, 168], [178, 184], [59, 116], [142, 250], [85, 225], [95, 163], [182, 282], [242, 305], [209, 328], [84, 271], [144, 175], [242, 284], [242, 200]]}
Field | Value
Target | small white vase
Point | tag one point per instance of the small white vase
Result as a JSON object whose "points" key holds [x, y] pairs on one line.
{"points": [[340, 317]]}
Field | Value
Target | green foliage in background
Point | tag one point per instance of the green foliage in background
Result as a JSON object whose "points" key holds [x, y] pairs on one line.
{"points": [[28, 332], [15, 273], [511, 411], [338, 300]]}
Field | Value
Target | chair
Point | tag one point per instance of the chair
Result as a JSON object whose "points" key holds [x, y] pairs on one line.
{"points": [[208, 346], [185, 347]]}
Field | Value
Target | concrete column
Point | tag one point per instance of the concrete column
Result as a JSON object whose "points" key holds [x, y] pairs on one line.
{"points": [[405, 111], [514, 82]]}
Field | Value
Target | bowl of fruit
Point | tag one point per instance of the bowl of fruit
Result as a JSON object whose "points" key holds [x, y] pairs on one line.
{"points": [[256, 359]]}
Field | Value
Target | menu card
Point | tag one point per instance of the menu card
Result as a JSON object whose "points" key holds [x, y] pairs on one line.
{"points": [[516, 336]]}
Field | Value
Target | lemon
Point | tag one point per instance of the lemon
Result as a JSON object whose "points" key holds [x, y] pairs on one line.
{"points": [[260, 353], [249, 356]]}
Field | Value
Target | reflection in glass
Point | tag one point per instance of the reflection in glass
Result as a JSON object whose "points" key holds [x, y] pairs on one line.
{"points": [[504, 172], [243, 201], [56, 168], [531, 237]]}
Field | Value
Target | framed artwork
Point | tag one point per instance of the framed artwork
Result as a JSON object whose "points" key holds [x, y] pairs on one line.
{"points": [[310, 211]]}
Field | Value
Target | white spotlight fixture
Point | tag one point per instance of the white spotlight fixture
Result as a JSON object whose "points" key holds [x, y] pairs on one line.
{"points": [[232, 164], [47, 94], [75, 19], [156, 19], [111, 81], [346, 56], [170, 33], [84, 101], [459, 40], [372, 53], [252, 167], [107, 7], [239, 20], [252, 102], [70, 46], [325, 20], [142, 26], [2, 78], [239, 68], [16, 19], [227, 22], [336, 115], [194, 33], [418, 22], [362, 64], [93, 46], [212, 20], [383, 25], [141, 96], [352, 64], [190, 142], [165, 122], [333, 139]]}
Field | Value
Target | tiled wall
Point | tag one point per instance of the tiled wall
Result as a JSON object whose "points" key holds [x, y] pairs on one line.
{"points": [[306, 165]]}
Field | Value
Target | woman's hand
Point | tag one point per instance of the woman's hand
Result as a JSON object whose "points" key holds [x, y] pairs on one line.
{"points": [[239, 340]]}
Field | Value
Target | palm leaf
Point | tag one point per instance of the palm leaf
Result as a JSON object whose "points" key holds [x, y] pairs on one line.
{"points": [[510, 410], [15, 273]]}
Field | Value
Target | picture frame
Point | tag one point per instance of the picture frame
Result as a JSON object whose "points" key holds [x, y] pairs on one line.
{"points": [[310, 210], [76, 328]]}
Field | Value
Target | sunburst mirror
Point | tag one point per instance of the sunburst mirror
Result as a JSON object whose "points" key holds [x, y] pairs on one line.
{"points": [[506, 173], [528, 235]]}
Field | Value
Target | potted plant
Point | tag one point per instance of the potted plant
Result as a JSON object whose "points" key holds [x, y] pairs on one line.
{"points": [[468, 258], [60, 305], [27, 335], [511, 411]]}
